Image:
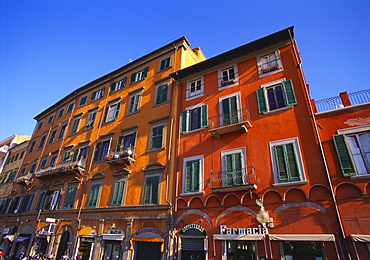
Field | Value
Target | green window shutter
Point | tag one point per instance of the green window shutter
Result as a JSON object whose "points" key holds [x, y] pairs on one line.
{"points": [[184, 121], [133, 78], [289, 93], [76, 153], [123, 84], [261, 99], [204, 116], [94, 195], [97, 151], [280, 163], [71, 195], [146, 69], [118, 193], [93, 95], [192, 169], [292, 162], [117, 109], [112, 86], [151, 190], [344, 155], [106, 114]]}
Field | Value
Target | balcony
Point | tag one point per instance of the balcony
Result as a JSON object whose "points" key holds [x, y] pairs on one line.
{"points": [[24, 180], [64, 168], [230, 122], [238, 180], [122, 157]]}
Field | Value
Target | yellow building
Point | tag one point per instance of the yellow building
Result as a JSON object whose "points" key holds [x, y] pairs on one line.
{"points": [[100, 164]]}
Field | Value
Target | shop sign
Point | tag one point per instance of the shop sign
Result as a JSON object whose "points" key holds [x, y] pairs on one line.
{"points": [[149, 232], [192, 226], [260, 230]]}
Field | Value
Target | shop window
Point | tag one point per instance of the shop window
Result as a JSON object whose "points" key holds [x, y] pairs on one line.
{"points": [[302, 250], [241, 249]]}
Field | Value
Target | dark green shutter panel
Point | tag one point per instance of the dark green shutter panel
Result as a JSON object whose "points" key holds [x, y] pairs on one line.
{"points": [[133, 77], [75, 155], [292, 162], [280, 163], [145, 72], [344, 155], [117, 109], [123, 82], [184, 123], [115, 194], [188, 176], [196, 172], [93, 96], [113, 86], [97, 152], [102, 91], [289, 93], [106, 114], [261, 99], [204, 115]]}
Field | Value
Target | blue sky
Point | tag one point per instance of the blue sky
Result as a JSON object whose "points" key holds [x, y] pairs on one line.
{"points": [[50, 48]]}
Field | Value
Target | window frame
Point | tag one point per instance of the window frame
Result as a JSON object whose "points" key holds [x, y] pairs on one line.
{"points": [[53, 135], [83, 101], [97, 94], [269, 70], [75, 125], [117, 85], [70, 107], [92, 202], [39, 125], [298, 158], [165, 63], [186, 118], [160, 96], [42, 141], [231, 81], [198, 92], [61, 112], [50, 119], [89, 124], [99, 152], [112, 111], [117, 199], [147, 194], [139, 75], [243, 163], [200, 190], [62, 130], [238, 111], [70, 197], [151, 142], [134, 103]]}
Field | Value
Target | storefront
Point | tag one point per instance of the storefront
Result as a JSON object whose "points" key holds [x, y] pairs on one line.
{"points": [[193, 241], [112, 243], [86, 238], [148, 244], [361, 244]]}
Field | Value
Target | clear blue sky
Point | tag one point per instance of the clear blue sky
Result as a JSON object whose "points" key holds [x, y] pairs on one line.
{"points": [[50, 48]]}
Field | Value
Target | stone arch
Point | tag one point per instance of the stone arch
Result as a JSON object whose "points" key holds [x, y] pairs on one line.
{"points": [[210, 198], [228, 195], [181, 201], [194, 199], [196, 212], [297, 192], [299, 204], [154, 166], [354, 188], [272, 196], [98, 175], [235, 209], [319, 192]]}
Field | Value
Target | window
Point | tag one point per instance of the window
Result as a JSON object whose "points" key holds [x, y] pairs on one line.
{"points": [[70, 197], [156, 137], [162, 94], [66, 156], [54, 200], [125, 142], [28, 200], [239, 249], [94, 195], [303, 250], [70, 107], [53, 159], [165, 63], [151, 187], [140, 75], [80, 153], [33, 143], [40, 200], [83, 101], [112, 112], [43, 163], [75, 124], [52, 135], [230, 110], [353, 150], [62, 130], [91, 119], [118, 84], [39, 126], [118, 192], [134, 103], [101, 151], [23, 170], [21, 155], [42, 141], [269, 63], [228, 77], [97, 94], [50, 120], [193, 174], [233, 167], [275, 95], [61, 112], [194, 118], [195, 88], [287, 162]]}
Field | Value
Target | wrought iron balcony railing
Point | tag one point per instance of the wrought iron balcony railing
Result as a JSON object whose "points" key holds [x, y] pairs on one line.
{"points": [[124, 156], [239, 179], [64, 168], [230, 122]]}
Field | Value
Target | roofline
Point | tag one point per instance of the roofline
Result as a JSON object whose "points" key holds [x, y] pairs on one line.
{"points": [[108, 76], [280, 36]]}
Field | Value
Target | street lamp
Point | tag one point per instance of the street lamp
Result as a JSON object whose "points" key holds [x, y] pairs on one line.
{"points": [[263, 216]]}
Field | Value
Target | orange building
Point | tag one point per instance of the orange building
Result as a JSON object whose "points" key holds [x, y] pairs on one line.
{"points": [[251, 180], [99, 166], [343, 123]]}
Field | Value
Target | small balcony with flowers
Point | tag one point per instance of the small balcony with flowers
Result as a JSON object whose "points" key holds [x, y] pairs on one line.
{"points": [[66, 167], [121, 156], [243, 179], [230, 122], [25, 179]]}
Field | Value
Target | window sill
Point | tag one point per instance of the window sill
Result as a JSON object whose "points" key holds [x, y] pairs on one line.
{"points": [[231, 84], [289, 183], [192, 193], [161, 70], [156, 150], [190, 97], [270, 72], [195, 130], [133, 113], [277, 110], [157, 105], [365, 176]]}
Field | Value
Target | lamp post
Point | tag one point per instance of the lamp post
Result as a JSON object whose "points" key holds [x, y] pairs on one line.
{"points": [[263, 216]]}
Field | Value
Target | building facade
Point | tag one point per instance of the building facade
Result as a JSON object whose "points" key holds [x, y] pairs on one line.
{"points": [[98, 166], [251, 179]]}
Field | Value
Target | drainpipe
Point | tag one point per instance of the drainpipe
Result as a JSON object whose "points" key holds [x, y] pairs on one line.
{"points": [[342, 234]]}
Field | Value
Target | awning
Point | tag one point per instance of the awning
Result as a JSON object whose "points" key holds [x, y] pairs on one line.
{"points": [[87, 231], [148, 239], [238, 237], [21, 239], [113, 237], [361, 238], [305, 237]]}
